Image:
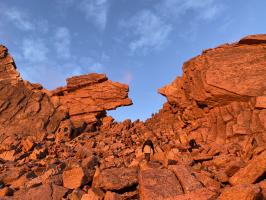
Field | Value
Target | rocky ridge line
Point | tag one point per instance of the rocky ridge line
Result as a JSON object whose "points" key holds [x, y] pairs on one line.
{"points": [[61, 145]]}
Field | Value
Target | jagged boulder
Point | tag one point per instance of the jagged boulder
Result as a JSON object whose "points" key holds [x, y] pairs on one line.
{"points": [[221, 95], [28, 109], [87, 97]]}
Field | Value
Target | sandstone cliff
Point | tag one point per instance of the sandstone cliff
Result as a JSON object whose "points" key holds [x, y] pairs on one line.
{"points": [[61, 145]]}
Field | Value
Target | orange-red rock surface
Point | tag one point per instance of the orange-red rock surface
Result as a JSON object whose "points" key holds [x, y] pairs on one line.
{"points": [[60, 144]]}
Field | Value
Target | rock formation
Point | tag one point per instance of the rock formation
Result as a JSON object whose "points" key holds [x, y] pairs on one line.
{"points": [[60, 144]]}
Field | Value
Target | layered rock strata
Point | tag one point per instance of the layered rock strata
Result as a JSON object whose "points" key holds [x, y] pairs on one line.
{"points": [[61, 145], [221, 95]]}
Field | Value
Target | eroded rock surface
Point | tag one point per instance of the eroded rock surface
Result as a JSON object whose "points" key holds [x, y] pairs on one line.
{"points": [[60, 144]]}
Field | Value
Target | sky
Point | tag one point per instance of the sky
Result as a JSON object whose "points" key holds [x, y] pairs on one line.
{"points": [[142, 43]]}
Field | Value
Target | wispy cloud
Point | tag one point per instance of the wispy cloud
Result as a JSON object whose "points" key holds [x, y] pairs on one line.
{"points": [[62, 42], [19, 19], [34, 50], [203, 10], [95, 11], [150, 31], [88, 64]]}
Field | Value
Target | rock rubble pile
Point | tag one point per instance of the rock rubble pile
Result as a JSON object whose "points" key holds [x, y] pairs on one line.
{"points": [[209, 138]]}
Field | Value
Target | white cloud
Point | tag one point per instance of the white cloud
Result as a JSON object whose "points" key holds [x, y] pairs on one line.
{"points": [[211, 12], [62, 42], [90, 65], [95, 10], [34, 50], [149, 29], [19, 19], [203, 9]]}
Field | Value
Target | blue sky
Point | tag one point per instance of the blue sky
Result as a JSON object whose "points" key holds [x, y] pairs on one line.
{"points": [[142, 43]]}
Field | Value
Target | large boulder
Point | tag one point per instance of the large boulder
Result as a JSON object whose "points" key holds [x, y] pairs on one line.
{"points": [[222, 74], [252, 172], [116, 179], [158, 184], [87, 97], [242, 192]]}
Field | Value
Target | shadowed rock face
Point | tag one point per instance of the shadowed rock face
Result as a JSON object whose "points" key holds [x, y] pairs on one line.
{"points": [[60, 144]]}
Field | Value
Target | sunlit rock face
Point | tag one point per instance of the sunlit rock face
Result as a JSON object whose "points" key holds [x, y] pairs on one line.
{"points": [[28, 109], [207, 142], [87, 97], [223, 92]]}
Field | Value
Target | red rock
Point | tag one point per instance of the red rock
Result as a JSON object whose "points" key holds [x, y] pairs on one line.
{"points": [[92, 195], [241, 192], [262, 117], [28, 109], [10, 175], [262, 185], [158, 184], [188, 182], [74, 178], [117, 178], [39, 153], [45, 192], [198, 194], [87, 96], [251, 172], [20, 182], [6, 191], [219, 101], [8, 155], [27, 144], [202, 157], [253, 39], [208, 182], [112, 196], [221, 176], [205, 84], [261, 102], [8, 72], [76, 194]]}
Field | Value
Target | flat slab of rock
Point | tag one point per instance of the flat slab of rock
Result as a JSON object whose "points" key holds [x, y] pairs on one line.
{"points": [[158, 184], [187, 180], [199, 194], [86, 96], [43, 192], [241, 192], [253, 39], [73, 178], [201, 158], [117, 178], [261, 102], [251, 172]]}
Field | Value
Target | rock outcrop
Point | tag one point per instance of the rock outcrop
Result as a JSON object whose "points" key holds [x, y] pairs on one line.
{"points": [[87, 97], [29, 110], [209, 138], [221, 95]]}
